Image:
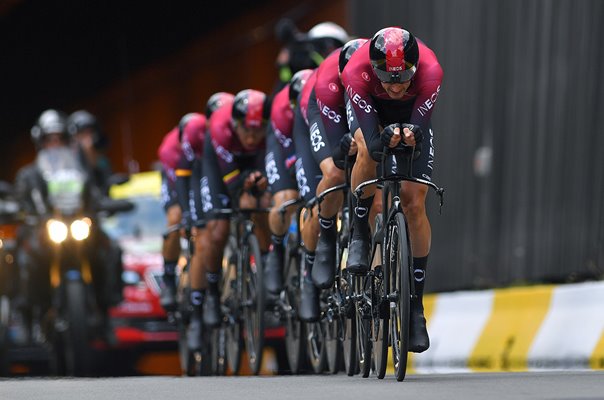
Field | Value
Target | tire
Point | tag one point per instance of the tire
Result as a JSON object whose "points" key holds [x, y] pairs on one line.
{"points": [[334, 326], [315, 347], [253, 300], [234, 345], [76, 349], [230, 299], [186, 358], [399, 259], [363, 325], [349, 335], [333, 345], [294, 328], [219, 360], [381, 309]]}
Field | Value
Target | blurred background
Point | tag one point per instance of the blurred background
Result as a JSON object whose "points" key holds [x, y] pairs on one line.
{"points": [[518, 124]]}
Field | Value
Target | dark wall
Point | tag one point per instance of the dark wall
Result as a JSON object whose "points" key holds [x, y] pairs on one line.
{"points": [[519, 136], [157, 72]]}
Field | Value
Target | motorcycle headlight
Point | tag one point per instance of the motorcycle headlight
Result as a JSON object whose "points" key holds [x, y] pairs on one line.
{"points": [[57, 230], [80, 229]]}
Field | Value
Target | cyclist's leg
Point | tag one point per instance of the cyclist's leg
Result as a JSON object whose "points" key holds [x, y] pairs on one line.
{"points": [[364, 169], [283, 188], [308, 175], [214, 195], [171, 243], [323, 141], [413, 196], [197, 272]]}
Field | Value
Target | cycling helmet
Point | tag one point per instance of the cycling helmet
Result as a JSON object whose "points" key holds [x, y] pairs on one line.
{"points": [[348, 50], [328, 30], [296, 84], [394, 55], [183, 123], [250, 108], [216, 101], [49, 122], [325, 38]]}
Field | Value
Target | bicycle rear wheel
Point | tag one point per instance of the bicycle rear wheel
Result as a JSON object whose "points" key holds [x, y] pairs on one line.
{"points": [[253, 302], [399, 259]]}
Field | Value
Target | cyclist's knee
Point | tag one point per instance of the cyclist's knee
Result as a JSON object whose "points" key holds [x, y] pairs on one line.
{"points": [[332, 174], [218, 233], [414, 208], [247, 201], [173, 215]]}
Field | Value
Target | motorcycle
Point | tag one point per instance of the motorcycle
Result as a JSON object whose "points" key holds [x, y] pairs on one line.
{"points": [[69, 239]]}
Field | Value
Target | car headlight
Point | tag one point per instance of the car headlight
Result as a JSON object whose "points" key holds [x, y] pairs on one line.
{"points": [[80, 229], [57, 230]]}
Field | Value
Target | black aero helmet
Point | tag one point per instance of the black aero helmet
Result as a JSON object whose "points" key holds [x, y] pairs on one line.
{"points": [[216, 101], [296, 84], [394, 55], [251, 108], [348, 50], [49, 122]]}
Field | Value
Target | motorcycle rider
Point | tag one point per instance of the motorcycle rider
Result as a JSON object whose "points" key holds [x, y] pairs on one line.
{"points": [[89, 137], [50, 132]]}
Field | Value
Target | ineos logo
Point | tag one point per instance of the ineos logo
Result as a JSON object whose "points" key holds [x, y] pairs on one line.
{"points": [[333, 87], [365, 76], [315, 137]]}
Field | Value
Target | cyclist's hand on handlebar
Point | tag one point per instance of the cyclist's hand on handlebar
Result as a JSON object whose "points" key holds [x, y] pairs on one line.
{"points": [[408, 137], [255, 180], [348, 145], [391, 135]]}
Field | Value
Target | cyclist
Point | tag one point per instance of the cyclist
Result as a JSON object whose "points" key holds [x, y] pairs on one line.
{"points": [[280, 163], [308, 175], [232, 163], [86, 130], [327, 120], [394, 78], [170, 153], [193, 128]]}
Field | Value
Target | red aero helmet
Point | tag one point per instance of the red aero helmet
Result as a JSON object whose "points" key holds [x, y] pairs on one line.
{"points": [[216, 101], [250, 108], [394, 55]]}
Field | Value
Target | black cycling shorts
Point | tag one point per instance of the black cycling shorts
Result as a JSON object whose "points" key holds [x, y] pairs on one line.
{"points": [[308, 173], [169, 197], [195, 202], [390, 112], [279, 177], [322, 141]]}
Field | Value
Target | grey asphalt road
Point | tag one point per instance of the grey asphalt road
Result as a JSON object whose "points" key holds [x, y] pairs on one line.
{"points": [[548, 385]]}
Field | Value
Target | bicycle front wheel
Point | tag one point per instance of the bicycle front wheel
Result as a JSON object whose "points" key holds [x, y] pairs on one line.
{"points": [[399, 260], [253, 302]]}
